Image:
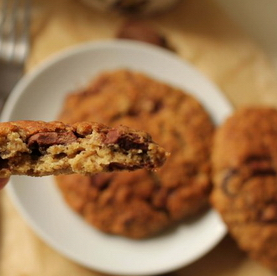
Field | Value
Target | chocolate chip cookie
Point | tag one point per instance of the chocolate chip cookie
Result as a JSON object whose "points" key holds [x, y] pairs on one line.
{"points": [[245, 169], [38, 148], [143, 203]]}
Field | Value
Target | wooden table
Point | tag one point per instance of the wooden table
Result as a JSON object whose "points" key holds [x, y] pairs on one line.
{"points": [[200, 33]]}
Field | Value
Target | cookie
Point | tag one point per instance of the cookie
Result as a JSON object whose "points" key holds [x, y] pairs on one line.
{"points": [[38, 148], [142, 31], [141, 204], [245, 192]]}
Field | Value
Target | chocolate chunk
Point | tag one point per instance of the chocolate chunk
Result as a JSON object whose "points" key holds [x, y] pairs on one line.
{"points": [[126, 142], [112, 136], [226, 181], [101, 181], [114, 166], [4, 164], [260, 166], [254, 166], [267, 172], [46, 139], [158, 105]]}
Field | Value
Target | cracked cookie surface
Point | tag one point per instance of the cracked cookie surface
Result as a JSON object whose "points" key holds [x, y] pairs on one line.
{"points": [[38, 148]]}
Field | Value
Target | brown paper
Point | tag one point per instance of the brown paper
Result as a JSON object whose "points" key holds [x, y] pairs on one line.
{"points": [[200, 33]]}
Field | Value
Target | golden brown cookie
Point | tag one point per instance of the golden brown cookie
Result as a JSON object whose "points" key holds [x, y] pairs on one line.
{"points": [[245, 193], [39, 148], [143, 203]]}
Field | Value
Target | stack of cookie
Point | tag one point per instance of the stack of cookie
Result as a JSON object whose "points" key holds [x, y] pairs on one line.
{"points": [[143, 203]]}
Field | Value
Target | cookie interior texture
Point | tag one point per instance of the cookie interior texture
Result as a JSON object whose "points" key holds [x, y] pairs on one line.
{"points": [[141, 204], [85, 148], [245, 190]]}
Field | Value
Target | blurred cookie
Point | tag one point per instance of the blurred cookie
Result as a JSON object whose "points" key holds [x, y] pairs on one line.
{"points": [[38, 148], [245, 193], [142, 31], [132, 7], [142, 203]]}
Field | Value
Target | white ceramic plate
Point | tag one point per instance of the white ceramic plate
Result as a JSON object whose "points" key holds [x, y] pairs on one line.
{"points": [[39, 96]]}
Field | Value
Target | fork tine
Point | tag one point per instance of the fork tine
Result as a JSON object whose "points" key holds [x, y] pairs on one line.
{"points": [[22, 43], [4, 9], [7, 30], [14, 43], [14, 31]]}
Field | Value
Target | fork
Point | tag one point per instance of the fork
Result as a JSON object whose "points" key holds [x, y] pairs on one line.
{"points": [[14, 43]]}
